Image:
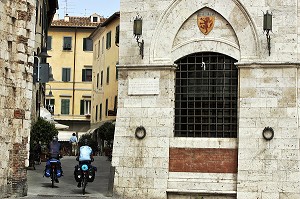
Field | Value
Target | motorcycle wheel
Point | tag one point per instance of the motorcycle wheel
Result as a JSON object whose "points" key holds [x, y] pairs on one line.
{"points": [[84, 182], [53, 177]]}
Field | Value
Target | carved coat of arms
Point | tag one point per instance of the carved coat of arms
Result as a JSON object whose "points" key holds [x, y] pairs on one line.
{"points": [[205, 23]]}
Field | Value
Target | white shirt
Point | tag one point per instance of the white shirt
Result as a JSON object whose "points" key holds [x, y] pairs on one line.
{"points": [[85, 153]]}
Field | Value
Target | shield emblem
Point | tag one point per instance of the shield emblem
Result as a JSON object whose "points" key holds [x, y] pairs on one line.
{"points": [[205, 23]]}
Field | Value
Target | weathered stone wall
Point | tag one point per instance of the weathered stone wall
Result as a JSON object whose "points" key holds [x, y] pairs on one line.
{"points": [[268, 96], [17, 24], [269, 169]]}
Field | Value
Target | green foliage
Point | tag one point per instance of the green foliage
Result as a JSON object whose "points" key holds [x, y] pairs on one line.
{"points": [[42, 131], [107, 132], [92, 143]]}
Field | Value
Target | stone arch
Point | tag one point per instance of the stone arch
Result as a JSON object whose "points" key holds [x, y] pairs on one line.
{"points": [[162, 49]]}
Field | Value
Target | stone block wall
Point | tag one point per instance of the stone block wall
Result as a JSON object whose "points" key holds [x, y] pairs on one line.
{"points": [[269, 169], [17, 22], [268, 96]]}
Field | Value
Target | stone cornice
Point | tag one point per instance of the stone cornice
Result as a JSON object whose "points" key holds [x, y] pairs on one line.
{"points": [[267, 64], [147, 67]]}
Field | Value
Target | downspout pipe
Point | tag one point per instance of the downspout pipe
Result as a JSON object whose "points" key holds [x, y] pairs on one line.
{"points": [[74, 71]]}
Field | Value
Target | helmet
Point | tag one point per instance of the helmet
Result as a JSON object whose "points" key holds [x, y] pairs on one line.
{"points": [[55, 139]]}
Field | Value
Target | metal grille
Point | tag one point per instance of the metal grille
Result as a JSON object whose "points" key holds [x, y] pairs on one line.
{"points": [[206, 96]]}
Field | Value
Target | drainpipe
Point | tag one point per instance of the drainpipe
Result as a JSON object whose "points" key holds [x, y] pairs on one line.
{"points": [[74, 70]]}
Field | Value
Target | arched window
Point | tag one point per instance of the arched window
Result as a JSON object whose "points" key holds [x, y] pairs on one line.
{"points": [[206, 96]]}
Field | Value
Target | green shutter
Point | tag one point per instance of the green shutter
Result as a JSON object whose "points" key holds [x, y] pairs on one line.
{"points": [[81, 107], [83, 75]]}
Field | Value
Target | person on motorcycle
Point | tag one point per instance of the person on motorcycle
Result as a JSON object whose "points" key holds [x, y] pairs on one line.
{"points": [[85, 156], [54, 151]]}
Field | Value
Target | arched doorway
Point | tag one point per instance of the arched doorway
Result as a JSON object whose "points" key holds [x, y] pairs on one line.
{"points": [[206, 96]]}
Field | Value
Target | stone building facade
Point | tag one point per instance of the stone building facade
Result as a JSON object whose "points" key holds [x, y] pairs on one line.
{"points": [[205, 90], [18, 44], [16, 63]]}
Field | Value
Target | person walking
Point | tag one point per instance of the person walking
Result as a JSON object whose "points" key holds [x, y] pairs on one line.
{"points": [[74, 142]]}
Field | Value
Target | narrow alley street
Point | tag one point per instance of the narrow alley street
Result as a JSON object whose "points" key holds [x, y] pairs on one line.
{"points": [[40, 187]]}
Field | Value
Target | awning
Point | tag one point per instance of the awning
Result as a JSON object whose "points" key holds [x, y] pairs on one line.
{"points": [[46, 115], [59, 126], [91, 131], [65, 135]]}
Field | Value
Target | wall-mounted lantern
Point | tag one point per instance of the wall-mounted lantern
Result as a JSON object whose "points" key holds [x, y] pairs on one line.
{"points": [[267, 28], [137, 31]]}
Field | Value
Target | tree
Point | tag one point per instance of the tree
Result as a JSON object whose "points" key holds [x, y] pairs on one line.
{"points": [[92, 143], [42, 131], [107, 132]]}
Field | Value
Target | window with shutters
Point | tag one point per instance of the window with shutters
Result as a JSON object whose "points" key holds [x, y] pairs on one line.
{"points": [[117, 35], [86, 75], [67, 43], [50, 105], [87, 44], [65, 106], [66, 74], [85, 107], [108, 40]]}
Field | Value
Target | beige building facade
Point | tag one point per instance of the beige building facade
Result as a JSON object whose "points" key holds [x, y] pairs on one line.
{"points": [[71, 61], [207, 89], [105, 78]]}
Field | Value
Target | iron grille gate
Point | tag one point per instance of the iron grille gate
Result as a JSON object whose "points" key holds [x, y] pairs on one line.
{"points": [[206, 96]]}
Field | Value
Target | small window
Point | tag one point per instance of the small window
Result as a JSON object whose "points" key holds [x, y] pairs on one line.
{"points": [[36, 11], [107, 73], [85, 107], [87, 44], [100, 112], [116, 103], [49, 42], [106, 107], [67, 43], [50, 105], [96, 115], [98, 49], [97, 80], [101, 79], [102, 48], [117, 35], [95, 19], [117, 76], [86, 75], [66, 73], [108, 40], [65, 106]]}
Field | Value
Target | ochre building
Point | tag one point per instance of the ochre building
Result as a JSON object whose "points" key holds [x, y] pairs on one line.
{"points": [[71, 61]]}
